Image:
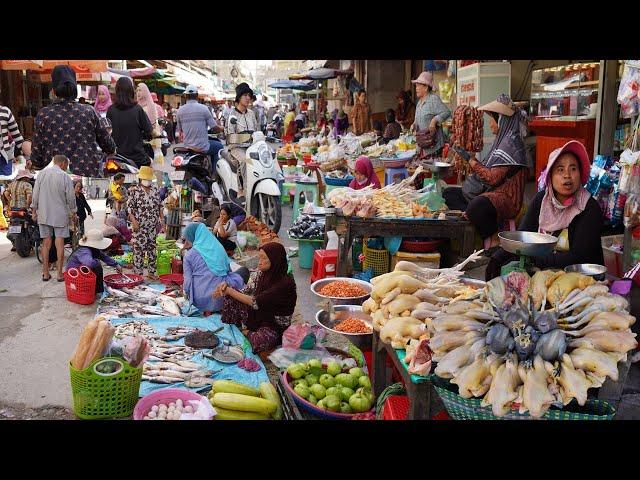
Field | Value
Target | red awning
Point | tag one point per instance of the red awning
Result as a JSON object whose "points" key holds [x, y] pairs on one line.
{"points": [[79, 66]]}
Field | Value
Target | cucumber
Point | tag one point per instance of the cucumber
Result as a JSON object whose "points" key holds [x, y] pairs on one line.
{"points": [[269, 392], [224, 414], [243, 403]]}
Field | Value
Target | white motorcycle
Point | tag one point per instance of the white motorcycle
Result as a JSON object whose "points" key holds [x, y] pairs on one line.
{"points": [[261, 178]]}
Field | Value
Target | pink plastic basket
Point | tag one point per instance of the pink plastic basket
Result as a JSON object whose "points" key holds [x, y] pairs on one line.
{"points": [[166, 396]]}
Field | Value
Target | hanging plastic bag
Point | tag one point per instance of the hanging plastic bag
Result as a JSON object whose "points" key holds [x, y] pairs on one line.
{"points": [[628, 91]]}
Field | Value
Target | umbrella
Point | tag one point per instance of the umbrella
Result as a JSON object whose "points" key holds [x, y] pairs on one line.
{"points": [[293, 85]]}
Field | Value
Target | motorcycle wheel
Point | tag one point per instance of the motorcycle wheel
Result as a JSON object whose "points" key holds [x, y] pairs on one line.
{"points": [[22, 244], [268, 210]]}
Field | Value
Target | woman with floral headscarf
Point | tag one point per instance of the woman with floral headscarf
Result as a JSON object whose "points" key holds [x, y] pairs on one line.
{"points": [[495, 190]]}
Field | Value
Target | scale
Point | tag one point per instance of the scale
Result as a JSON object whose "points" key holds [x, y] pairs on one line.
{"points": [[526, 245], [438, 170]]}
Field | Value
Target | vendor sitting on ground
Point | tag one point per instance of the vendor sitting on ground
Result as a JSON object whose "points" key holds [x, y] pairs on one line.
{"points": [[265, 306], [205, 266], [364, 175], [495, 191], [118, 234], [90, 254], [564, 209], [225, 229]]}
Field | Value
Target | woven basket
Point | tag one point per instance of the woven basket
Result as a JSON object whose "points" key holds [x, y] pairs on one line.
{"points": [[470, 409], [376, 259]]}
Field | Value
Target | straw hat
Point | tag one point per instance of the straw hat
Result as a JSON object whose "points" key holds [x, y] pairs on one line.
{"points": [[502, 105], [94, 238], [22, 173], [146, 173]]}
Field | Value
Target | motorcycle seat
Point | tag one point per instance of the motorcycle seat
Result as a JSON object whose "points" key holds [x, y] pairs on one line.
{"points": [[183, 149]]}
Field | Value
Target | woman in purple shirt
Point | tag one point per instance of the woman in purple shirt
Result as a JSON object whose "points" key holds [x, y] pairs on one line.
{"points": [[90, 254]]}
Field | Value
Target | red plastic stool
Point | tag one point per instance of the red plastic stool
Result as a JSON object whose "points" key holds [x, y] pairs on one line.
{"points": [[322, 259], [396, 407]]}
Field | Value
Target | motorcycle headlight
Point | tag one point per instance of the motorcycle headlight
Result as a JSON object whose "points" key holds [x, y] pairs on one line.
{"points": [[265, 156]]}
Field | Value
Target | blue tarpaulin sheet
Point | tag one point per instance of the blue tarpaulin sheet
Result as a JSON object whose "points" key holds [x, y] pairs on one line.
{"points": [[228, 371]]}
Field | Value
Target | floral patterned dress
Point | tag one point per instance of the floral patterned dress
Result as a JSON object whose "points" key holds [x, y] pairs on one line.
{"points": [[145, 208]]}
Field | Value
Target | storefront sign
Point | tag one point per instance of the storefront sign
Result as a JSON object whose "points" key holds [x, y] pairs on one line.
{"points": [[467, 93], [80, 77]]}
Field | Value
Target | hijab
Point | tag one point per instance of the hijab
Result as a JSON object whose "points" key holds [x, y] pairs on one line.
{"points": [[208, 246], [554, 215], [146, 102], [102, 106], [508, 147], [365, 167], [279, 267]]}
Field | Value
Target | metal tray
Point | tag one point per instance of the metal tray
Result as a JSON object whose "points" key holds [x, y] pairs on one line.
{"points": [[530, 244], [232, 354]]}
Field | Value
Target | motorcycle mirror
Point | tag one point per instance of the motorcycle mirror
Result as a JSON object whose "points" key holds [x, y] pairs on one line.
{"points": [[233, 120]]}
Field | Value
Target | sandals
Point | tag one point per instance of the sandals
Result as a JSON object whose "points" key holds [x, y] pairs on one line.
{"points": [[46, 279]]}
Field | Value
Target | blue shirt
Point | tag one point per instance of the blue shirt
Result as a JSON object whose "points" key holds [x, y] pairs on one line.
{"points": [[193, 120]]}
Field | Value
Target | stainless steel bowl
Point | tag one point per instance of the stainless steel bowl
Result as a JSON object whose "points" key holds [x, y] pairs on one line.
{"points": [[317, 286], [329, 320], [530, 244], [591, 269], [439, 167]]}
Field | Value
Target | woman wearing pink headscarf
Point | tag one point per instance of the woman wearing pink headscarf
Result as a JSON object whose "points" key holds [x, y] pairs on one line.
{"points": [[146, 102], [365, 175], [103, 102]]}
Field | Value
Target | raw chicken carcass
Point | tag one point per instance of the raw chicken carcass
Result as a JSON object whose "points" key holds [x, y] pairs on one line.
{"points": [[573, 382], [421, 362], [495, 291], [444, 342], [607, 341], [599, 363], [456, 322], [504, 387], [610, 321], [398, 331], [452, 362], [536, 397], [475, 379], [539, 284], [565, 284], [517, 283]]}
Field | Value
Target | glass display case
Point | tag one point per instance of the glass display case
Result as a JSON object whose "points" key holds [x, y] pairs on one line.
{"points": [[568, 92]]}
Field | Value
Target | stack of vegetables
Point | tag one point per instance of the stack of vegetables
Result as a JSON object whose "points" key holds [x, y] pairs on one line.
{"points": [[307, 228], [332, 388], [235, 401], [163, 243], [509, 348]]}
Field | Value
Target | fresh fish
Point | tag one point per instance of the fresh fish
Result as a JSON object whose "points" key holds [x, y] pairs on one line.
{"points": [[161, 379], [169, 305], [197, 382]]}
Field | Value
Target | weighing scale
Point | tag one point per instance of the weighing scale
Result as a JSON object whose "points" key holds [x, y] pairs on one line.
{"points": [[438, 170], [526, 245]]}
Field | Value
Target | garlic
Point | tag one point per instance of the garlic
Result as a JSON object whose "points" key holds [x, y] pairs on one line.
{"points": [[152, 414], [172, 404], [162, 415], [172, 408], [154, 408], [163, 407], [170, 416], [179, 403]]}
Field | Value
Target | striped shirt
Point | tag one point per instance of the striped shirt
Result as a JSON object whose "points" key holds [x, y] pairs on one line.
{"points": [[8, 126]]}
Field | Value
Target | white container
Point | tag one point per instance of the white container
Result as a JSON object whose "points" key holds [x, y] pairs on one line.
{"points": [[479, 84]]}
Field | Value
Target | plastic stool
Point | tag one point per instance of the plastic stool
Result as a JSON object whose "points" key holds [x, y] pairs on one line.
{"points": [[322, 260], [508, 226], [396, 407], [395, 175], [306, 187]]}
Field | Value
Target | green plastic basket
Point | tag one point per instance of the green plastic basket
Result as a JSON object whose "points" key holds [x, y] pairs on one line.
{"points": [[470, 409], [163, 265], [98, 396]]}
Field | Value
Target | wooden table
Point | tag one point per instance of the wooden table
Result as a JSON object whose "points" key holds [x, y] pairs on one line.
{"points": [[419, 394], [350, 227]]}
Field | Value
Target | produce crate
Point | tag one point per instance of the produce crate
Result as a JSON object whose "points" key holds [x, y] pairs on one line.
{"points": [[612, 258], [470, 408], [97, 396], [376, 259], [424, 260]]}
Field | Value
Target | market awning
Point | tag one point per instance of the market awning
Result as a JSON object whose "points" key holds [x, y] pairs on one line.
{"points": [[293, 85], [320, 74], [79, 66], [164, 86], [134, 72], [82, 77]]}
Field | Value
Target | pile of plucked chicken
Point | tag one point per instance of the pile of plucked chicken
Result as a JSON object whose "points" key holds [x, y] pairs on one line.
{"points": [[532, 342]]}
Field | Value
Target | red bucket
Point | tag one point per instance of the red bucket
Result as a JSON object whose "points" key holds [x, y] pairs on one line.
{"points": [[80, 285]]}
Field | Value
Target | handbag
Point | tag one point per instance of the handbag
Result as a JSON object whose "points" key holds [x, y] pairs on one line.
{"points": [[425, 139], [472, 187]]}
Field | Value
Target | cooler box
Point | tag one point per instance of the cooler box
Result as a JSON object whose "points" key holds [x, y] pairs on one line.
{"points": [[424, 260]]}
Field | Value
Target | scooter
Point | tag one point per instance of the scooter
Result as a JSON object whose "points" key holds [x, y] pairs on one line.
{"points": [[23, 231], [117, 163], [261, 180], [196, 167]]}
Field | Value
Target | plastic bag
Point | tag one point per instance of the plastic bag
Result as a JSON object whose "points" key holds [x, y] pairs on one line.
{"points": [[303, 336], [283, 357], [628, 91], [135, 350], [202, 410]]}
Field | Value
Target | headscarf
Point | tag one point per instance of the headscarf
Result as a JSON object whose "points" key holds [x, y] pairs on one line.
{"points": [[508, 147], [279, 266], [207, 245], [555, 216], [101, 106], [365, 167], [146, 102]]}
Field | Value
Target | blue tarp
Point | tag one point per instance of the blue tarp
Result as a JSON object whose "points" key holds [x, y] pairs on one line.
{"points": [[229, 372]]}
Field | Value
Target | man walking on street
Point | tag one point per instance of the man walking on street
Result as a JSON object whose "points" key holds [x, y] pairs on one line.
{"points": [[54, 204]]}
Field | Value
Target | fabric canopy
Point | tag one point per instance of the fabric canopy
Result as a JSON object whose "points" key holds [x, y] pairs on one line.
{"points": [[320, 74], [79, 66], [135, 72], [293, 85]]}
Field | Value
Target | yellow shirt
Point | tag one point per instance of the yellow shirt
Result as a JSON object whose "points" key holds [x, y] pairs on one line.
{"points": [[116, 191], [288, 118]]}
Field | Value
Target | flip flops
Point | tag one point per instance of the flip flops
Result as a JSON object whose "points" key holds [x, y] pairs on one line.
{"points": [[46, 279]]}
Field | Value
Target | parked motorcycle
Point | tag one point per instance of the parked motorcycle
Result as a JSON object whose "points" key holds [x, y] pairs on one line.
{"points": [[23, 232], [197, 168], [261, 180]]}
